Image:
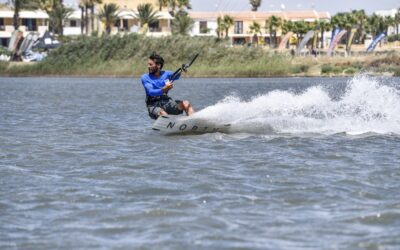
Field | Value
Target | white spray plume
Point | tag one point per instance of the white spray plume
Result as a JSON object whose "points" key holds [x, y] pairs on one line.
{"points": [[367, 106]]}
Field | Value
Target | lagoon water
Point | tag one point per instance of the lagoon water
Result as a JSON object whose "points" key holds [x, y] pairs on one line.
{"points": [[311, 163]]}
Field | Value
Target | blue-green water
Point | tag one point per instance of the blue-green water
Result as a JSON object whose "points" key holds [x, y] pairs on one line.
{"points": [[312, 163]]}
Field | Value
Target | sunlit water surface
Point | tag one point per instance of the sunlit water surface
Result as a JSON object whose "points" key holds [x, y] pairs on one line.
{"points": [[311, 163]]}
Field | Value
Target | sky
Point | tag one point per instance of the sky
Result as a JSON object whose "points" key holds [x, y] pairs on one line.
{"points": [[332, 6]]}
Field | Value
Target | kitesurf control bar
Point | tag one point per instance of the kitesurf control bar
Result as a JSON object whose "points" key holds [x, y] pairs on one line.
{"points": [[183, 68]]}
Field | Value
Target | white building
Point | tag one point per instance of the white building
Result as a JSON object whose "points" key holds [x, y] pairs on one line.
{"points": [[72, 26], [36, 21], [205, 24], [391, 13]]}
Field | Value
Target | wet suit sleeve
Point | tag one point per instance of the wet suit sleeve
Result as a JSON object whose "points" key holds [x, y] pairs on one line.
{"points": [[170, 73], [151, 90]]}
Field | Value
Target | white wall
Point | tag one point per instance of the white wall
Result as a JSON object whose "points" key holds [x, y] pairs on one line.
{"points": [[211, 25]]}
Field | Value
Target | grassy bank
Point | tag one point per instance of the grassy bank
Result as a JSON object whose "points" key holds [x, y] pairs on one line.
{"points": [[127, 56]]}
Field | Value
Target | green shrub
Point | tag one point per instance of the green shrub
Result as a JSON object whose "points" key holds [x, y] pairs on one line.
{"points": [[396, 71], [394, 37], [3, 66], [5, 51], [326, 69], [350, 71], [299, 69], [124, 55]]}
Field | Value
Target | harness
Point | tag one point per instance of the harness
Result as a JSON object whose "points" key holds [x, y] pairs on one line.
{"points": [[151, 100], [155, 101]]}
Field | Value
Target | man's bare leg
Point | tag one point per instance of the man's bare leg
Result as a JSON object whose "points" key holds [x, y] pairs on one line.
{"points": [[185, 105], [162, 112]]}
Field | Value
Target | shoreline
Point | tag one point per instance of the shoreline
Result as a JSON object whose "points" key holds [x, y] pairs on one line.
{"points": [[198, 76], [127, 58], [281, 66]]}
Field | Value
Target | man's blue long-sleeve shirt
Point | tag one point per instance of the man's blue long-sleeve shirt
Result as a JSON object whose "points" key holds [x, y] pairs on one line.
{"points": [[153, 85]]}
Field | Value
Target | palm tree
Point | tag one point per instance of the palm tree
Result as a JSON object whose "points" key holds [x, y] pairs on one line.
{"points": [[388, 22], [228, 23], [17, 5], [92, 4], [181, 4], [361, 21], [324, 26], [338, 20], [397, 20], [82, 7], [84, 4], [300, 28], [272, 24], [255, 4], [345, 20], [255, 29], [59, 14], [375, 24], [146, 14], [182, 24], [108, 15], [162, 4], [287, 26], [184, 4], [350, 22], [220, 27]]}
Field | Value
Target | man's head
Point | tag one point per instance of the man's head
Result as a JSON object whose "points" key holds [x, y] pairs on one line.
{"points": [[155, 63]]}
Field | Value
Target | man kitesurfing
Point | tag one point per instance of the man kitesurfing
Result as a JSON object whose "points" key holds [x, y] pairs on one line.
{"points": [[157, 84]]}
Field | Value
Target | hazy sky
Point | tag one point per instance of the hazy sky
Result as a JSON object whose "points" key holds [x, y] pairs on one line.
{"points": [[332, 6]]}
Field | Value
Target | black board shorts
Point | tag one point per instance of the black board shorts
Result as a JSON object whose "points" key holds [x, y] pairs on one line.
{"points": [[168, 105]]}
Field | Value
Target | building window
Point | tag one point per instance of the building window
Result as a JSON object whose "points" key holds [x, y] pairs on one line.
{"points": [[4, 42], [117, 23], [238, 27], [203, 27], [73, 23], [239, 41], [125, 24], [30, 24], [155, 27], [2, 27]]}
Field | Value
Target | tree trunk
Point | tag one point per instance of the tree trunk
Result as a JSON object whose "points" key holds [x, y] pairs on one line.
{"points": [[270, 38], [92, 17], [61, 21], [86, 20], [322, 38], [82, 20], [61, 27], [16, 19]]}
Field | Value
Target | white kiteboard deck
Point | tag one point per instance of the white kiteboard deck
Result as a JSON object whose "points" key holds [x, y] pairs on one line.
{"points": [[177, 124]]}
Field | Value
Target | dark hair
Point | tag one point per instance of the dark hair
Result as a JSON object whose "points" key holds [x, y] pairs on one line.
{"points": [[157, 59]]}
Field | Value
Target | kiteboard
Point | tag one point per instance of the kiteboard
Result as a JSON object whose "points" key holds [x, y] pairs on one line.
{"points": [[177, 124]]}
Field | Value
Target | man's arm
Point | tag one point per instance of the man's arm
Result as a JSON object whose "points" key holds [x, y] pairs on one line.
{"points": [[150, 90], [176, 77]]}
